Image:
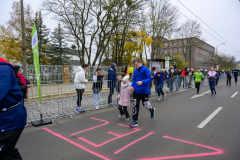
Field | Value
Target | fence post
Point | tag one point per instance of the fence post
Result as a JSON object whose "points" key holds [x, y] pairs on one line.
{"points": [[66, 77]]}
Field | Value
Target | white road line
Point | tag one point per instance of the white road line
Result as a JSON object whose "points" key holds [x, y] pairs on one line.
{"points": [[234, 94], [208, 119]]}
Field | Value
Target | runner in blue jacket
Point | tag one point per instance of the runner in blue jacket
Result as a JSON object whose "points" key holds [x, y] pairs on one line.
{"points": [[159, 77], [140, 87], [13, 114], [236, 74]]}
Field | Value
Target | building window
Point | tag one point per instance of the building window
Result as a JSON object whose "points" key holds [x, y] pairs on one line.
{"points": [[170, 51], [170, 43], [180, 42], [175, 43], [180, 50], [185, 50], [165, 52], [185, 41], [166, 44], [175, 50]]}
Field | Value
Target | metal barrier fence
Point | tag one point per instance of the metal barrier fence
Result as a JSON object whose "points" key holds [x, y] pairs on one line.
{"points": [[60, 100]]}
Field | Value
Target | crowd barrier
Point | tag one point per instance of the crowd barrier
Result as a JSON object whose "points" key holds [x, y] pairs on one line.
{"points": [[60, 100]]}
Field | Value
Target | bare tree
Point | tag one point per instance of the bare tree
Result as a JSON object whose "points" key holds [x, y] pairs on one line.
{"points": [[163, 21]]}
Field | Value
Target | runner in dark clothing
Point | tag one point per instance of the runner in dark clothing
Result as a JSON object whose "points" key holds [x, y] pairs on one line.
{"points": [[229, 77], [236, 74], [140, 87]]}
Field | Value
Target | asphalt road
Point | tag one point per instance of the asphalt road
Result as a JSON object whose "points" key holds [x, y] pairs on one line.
{"points": [[203, 127]]}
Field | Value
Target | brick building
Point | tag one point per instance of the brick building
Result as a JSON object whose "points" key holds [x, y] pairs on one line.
{"points": [[196, 52]]}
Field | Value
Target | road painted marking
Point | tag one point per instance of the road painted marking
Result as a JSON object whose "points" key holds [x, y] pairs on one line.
{"points": [[234, 94], [217, 151], [200, 95], [208, 119]]}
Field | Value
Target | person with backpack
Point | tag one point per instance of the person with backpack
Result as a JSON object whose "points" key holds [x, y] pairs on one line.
{"points": [[159, 76], [198, 78], [212, 75], [140, 88], [229, 77], [97, 86], [236, 74]]}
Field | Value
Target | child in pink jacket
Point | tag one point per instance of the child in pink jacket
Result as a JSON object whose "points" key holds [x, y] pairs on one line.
{"points": [[124, 98]]}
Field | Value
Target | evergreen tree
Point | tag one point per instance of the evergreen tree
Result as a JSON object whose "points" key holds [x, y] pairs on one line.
{"points": [[43, 40], [58, 48]]}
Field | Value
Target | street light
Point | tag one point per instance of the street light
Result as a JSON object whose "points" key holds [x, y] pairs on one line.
{"points": [[216, 52]]}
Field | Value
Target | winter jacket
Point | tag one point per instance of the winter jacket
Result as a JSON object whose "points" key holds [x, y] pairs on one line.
{"points": [[130, 70], [160, 79], [218, 74], [229, 74], [184, 72], [112, 77], [10, 95], [97, 83], [145, 77], [23, 87], [212, 76], [124, 97], [80, 80], [235, 72]]}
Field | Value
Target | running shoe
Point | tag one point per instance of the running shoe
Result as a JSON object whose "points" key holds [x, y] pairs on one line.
{"points": [[127, 119], [97, 108], [134, 124], [120, 116], [82, 111], [153, 113], [159, 98], [164, 97]]}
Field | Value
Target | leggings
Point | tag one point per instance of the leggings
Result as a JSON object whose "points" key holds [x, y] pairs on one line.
{"points": [[212, 86], [197, 85], [229, 80], [110, 95]]}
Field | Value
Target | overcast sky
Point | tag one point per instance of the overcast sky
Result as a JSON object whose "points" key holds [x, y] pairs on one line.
{"points": [[221, 15]]}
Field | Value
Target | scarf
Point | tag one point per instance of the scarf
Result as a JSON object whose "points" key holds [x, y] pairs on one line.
{"points": [[124, 85], [22, 80]]}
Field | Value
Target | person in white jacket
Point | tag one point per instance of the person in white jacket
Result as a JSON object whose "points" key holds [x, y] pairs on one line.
{"points": [[80, 83]]}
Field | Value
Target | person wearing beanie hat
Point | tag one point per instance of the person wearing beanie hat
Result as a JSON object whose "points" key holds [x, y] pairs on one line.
{"points": [[24, 84], [112, 79], [12, 112], [124, 98]]}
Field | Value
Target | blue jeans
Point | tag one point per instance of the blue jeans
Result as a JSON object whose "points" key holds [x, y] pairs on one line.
{"points": [[160, 90], [212, 86], [172, 82]]}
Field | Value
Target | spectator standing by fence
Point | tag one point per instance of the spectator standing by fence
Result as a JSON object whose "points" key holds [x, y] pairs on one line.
{"points": [[112, 80], [80, 83], [187, 78], [97, 86], [24, 84], [12, 112], [180, 78], [140, 86], [130, 71]]}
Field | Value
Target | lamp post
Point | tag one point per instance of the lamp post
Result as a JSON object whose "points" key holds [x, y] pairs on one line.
{"points": [[216, 53], [23, 41]]}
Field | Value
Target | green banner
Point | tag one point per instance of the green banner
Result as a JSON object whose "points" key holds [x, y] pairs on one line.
{"points": [[36, 60]]}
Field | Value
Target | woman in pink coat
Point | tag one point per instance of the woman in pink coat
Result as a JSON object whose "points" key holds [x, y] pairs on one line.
{"points": [[124, 98]]}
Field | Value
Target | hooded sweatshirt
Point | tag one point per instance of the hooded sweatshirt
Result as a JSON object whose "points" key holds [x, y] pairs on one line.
{"points": [[112, 76], [10, 95], [80, 80]]}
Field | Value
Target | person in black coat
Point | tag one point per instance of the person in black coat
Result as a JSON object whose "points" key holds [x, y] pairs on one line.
{"points": [[24, 84]]}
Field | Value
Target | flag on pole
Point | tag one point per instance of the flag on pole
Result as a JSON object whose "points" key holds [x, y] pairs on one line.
{"points": [[36, 60]]}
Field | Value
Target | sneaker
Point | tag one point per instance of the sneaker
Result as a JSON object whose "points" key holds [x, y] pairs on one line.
{"points": [[97, 108], [153, 113], [134, 124], [82, 111], [127, 119], [164, 97], [159, 98], [177, 89], [120, 116], [111, 105]]}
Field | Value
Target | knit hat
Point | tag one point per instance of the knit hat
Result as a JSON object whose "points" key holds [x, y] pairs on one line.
{"points": [[16, 69], [113, 66], [126, 78]]}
